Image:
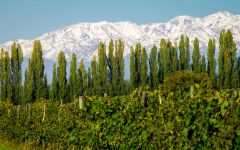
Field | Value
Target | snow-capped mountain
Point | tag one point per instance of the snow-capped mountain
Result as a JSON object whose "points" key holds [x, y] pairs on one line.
{"points": [[83, 38]]}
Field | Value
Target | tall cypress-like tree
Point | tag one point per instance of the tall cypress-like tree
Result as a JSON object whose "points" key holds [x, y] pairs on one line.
{"points": [[16, 72], [238, 72], [227, 59], [161, 60], [153, 67], [187, 54], [95, 76], [120, 63], [1, 70], [29, 95], [90, 82], [84, 77], [37, 68], [167, 58], [132, 69], [62, 80], [221, 59], [73, 77], [230, 60], [203, 64], [6, 88], [144, 67], [103, 73], [138, 63], [182, 56], [46, 87], [111, 61], [54, 93], [211, 66], [174, 59], [196, 56]]}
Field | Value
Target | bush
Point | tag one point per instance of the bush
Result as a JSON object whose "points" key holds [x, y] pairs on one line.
{"points": [[181, 81]]}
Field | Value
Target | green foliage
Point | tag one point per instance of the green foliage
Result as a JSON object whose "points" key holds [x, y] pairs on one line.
{"points": [[207, 120], [54, 91], [187, 53], [227, 60], [133, 74], [73, 80], [144, 67], [196, 56], [84, 79], [211, 67], [153, 67], [102, 67], [182, 56], [37, 65], [6, 88], [16, 73], [181, 81], [62, 79], [203, 64]]}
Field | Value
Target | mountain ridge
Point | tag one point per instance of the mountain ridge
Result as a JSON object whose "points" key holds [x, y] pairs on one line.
{"points": [[83, 38]]}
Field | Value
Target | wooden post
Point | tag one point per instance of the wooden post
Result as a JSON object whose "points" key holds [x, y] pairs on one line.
{"points": [[8, 112], [18, 110], [29, 111], [80, 100], [61, 103], [144, 93], [44, 107], [43, 144], [160, 99], [191, 91]]}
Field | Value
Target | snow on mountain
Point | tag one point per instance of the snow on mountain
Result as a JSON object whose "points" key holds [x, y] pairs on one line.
{"points": [[83, 38]]}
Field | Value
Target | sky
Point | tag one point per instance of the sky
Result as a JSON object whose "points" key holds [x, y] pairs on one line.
{"points": [[29, 19]]}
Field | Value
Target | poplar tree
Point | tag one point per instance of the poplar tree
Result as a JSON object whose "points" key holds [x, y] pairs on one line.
{"points": [[120, 63], [111, 61], [6, 88], [16, 72], [144, 67], [196, 56], [54, 93], [73, 78], [103, 73], [29, 95], [167, 58], [187, 54], [95, 76], [174, 60], [203, 64], [83, 76], [211, 66], [1, 70], [90, 82], [36, 65], [230, 61], [61, 75], [161, 60], [227, 59], [138, 63], [133, 73], [182, 57], [153, 67], [221, 59]]}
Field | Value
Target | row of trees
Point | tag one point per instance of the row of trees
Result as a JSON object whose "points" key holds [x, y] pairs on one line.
{"points": [[106, 72]]}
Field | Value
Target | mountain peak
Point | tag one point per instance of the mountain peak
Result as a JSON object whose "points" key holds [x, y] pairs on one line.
{"points": [[83, 38]]}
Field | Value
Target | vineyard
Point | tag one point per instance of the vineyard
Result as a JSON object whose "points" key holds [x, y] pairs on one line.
{"points": [[180, 115]]}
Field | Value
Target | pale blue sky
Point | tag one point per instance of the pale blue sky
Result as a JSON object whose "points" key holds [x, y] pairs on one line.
{"points": [[31, 18]]}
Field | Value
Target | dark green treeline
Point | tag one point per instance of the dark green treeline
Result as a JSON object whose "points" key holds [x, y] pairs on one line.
{"points": [[105, 75]]}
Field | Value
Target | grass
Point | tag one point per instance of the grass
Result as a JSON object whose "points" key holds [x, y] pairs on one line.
{"points": [[10, 145]]}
